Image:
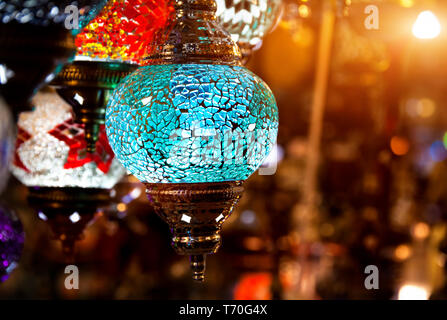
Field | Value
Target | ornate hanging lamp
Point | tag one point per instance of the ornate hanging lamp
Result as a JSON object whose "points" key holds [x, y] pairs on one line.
{"points": [[192, 125], [248, 21], [66, 184], [108, 49], [36, 38]]}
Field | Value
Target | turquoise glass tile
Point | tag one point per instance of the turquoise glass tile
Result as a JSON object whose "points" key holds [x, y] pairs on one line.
{"points": [[192, 123]]}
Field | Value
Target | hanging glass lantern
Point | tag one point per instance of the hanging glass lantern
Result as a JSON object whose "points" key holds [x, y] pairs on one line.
{"points": [[109, 48], [248, 21], [36, 38], [193, 125], [12, 238], [66, 183]]}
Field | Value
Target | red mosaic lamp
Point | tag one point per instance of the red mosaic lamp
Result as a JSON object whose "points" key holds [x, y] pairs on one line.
{"points": [[109, 48], [66, 184]]}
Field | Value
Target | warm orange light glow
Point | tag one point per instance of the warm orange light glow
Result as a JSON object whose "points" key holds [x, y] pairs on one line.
{"points": [[121, 207], [304, 11], [424, 107], [253, 243], [402, 252], [407, 3], [254, 286], [399, 145], [427, 26], [421, 230], [413, 292]]}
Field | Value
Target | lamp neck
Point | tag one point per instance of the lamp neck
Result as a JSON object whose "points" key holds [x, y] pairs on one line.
{"points": [[195, 36], [203, 8]]}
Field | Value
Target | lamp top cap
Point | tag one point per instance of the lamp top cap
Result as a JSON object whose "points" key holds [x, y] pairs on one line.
{"points": [[195, 36]]}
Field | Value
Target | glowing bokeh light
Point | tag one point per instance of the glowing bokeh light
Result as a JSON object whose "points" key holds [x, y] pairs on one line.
{"points": [[407, 3], [399, 145], [304, 11], [438, 152], [426, 107], [412, 292], [75, 217], [402, 252], [427, 26], [248, 217], [421, 230], [121, 207], [42, 216], [253, 286]]}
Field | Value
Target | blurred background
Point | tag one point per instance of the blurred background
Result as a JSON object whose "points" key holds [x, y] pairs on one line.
{"points": [[377, 196]]}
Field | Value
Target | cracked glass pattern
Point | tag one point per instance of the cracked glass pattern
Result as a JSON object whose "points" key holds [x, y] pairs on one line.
{"points": [[6, 143], [50, 149], [192, 123], [248, 21], [124, 30], [46, 12]]}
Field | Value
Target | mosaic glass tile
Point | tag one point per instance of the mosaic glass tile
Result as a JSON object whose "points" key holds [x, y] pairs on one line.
{"points": [[124, 30], [248, 21], [51, 149], [192, 123]]}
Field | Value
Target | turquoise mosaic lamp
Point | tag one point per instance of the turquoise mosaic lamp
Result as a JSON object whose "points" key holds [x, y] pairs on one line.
{"points": [[192, 125]]}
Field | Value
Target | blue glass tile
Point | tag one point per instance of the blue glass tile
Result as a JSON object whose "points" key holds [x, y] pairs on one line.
{"points": [[192, 123]]}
